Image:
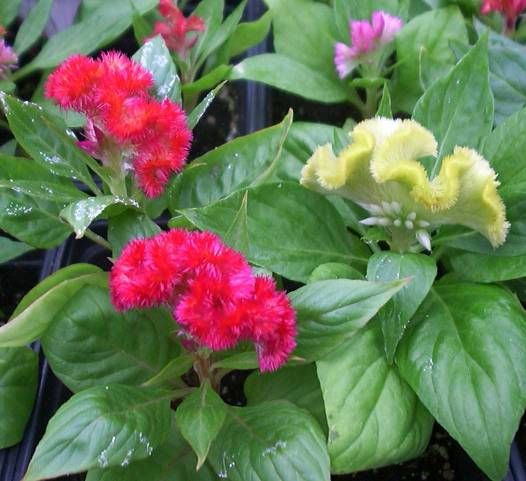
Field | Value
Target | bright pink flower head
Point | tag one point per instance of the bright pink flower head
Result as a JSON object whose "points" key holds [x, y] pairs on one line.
{"points": [[151, 136], [211, 291], [178, 32], [8, 59], [511, 9], [366, 38]]}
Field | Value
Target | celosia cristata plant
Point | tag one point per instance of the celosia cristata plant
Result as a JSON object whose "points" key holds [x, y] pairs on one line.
{"points": [[366, 280]]}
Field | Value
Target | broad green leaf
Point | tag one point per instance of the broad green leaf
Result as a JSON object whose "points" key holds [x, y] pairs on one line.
{"points": [[173, 370], [195, 115], [226, 169], [200, 417], [242, 360], [384, 108], [33, 26], [41, 304], [46, 141], [18, 387], [208, 81], [271, 441], [211, 11], [450, 109], [102, 427], [9, 148], [374, 417], [307, 38], [248, 35], [334, 270], [155, 57], [291, 230], [9, 11], [82, 213], [89, 343], [141, 28], [330, 312], [10, 249], [299, 385], [95, 30], [283, 72], [423, 53], [129, 225], [174, 460], [396, 315], [465, 357]]}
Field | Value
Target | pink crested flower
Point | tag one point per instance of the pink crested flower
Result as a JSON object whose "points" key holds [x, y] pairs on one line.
{"points": [[179, 33], [8, 59], [151, 136], [511, 9], [366, 38], [211, 291]]}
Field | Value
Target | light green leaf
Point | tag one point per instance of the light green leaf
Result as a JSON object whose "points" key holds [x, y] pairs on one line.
{"points": [[10, 249], [200, 418], [374, 417], [173, 370], [195, 115], [18, 387], [248, 34], [465, 357], [241, 360], [395, 316], [271, 441], [129, 225], [101, 427], [384, 108], [334, 270], [89, 343], [330, 312], [452, 111], [291, 230], [211, 79], [33, 26], [9, 11], [41, 304]]}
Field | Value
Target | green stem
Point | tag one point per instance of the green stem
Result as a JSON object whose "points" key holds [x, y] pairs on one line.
{"points": [[371, 102], [97, 239]]}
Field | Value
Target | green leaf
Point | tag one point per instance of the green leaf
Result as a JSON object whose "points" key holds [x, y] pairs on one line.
{"points": [[374, 417], [200, 418], [195, 115], [173, 370], [330, 312], [211, 11], [10, 249], [450, 109], [174, 460], [41, 304], [465, 357], [283, 72], [18, 387], [271, 441], [423, 53], [45, 141], [395, 316], [141, 28], [211, 79], [95, 30], [33, 26], [89, 343], [298, 385], [241, 360], [82, 213], [101, 427], [9, 11], [248, 34], [129, 225], [155, 57], [384, 108], [226, 169], [291, 230], [334, 270]]}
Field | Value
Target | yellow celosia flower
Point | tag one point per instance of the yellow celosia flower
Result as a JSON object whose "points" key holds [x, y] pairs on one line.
{"points": [[381, 172]]}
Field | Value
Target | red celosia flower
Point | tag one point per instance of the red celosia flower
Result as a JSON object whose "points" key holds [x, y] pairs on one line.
{"points": [[511, 9], [151, 136], [177, 30], [211, 291]]}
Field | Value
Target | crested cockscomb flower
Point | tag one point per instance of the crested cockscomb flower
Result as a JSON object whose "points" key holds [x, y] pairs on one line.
{"points": [[127, 128], [367, 38], [381, 171], [510, 9], [211, 291], [8, 59], [179, 33]]}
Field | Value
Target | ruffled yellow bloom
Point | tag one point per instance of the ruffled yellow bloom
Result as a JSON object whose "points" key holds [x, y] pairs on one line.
{"points": [[381, 172]]}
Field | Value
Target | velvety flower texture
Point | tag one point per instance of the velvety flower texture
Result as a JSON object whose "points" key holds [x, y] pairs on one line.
{"points": [[211, 291], [511, 9], [366, 38], [126, 125], [178, 32], [8, 59]]}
